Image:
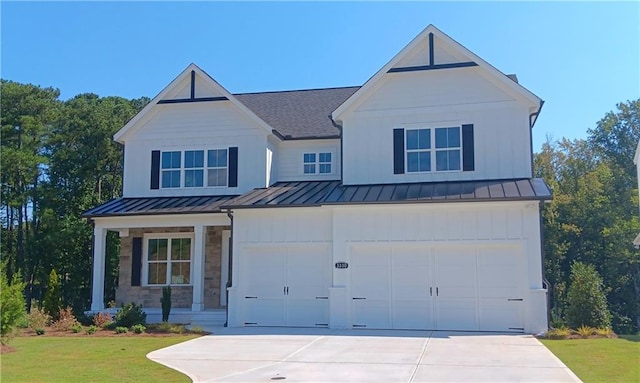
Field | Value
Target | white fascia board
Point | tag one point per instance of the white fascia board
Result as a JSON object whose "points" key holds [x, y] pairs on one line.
{"points": [[123, 134], [496, 75], [169, 220]]}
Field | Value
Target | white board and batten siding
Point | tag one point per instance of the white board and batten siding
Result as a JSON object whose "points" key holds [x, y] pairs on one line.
{"points": [[290, 159], [466, 266], [195, 126], [432, 99]]}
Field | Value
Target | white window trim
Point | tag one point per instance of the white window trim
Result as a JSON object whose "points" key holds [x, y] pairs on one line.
{"points": [[204, 169], [145, 257], [318, 163], [432, 150]]}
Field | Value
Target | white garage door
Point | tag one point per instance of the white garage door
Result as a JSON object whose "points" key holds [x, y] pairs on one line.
{"points": [[286, 286], [445, 288]]}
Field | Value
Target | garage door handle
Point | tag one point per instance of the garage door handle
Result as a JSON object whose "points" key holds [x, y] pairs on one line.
{"points": [[355, 298], [514, 299], [430, 291], [322, 297], [437, 294]]}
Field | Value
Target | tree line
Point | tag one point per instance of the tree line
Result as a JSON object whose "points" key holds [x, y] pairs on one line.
{"points": [[59, 159]]}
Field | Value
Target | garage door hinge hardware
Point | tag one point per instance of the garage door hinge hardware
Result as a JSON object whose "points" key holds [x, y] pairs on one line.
{"points": [[516, 328], [356, 298], [250, 297], [359, 325], [250, 322], [322, 324], [515, 299], [322, 297]]}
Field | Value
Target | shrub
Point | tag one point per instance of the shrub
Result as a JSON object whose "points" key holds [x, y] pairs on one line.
{"points": [[559, 333], [102, 319], [197, 330], [585, 331], [12, 306], [587, 303], [76, 328], [605, 332], [39, 331], [37, 318], [138, 328], [53, 296], [66, 320], [130, 314], [91, 329], [165, 300], [121, 330]]}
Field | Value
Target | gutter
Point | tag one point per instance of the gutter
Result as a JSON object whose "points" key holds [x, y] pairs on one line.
{"points": [[339, 127], [230, 276]]}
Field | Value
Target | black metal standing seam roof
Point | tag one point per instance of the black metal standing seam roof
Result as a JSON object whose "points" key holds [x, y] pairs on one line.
{"points": [[158, 205], [315, 193], [299, 114]]}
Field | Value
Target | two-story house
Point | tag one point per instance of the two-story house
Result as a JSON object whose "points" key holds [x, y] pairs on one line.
{"points": [[405, 203]]}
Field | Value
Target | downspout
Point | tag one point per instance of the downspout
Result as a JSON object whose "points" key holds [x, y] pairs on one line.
{"points": [[339, 127], [533, 117], [230, 276]]}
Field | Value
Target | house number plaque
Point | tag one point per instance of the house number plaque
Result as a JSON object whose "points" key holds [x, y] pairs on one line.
{"points": [[342, 265]]}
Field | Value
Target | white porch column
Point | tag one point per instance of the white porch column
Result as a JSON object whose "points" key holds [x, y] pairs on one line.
{"points": [[199, 232], [99, 248]]}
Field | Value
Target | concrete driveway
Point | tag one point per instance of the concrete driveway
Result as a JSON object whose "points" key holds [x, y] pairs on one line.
{"points": [[323, 355]]}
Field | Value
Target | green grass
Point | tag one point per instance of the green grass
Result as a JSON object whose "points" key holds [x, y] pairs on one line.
{"points": [[88, 359], [600, 360]]}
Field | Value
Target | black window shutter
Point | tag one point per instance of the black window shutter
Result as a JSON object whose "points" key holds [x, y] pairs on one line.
{"points": [[398, 151], [155, 169], [468, 162], [136, 261], [233, 167]]}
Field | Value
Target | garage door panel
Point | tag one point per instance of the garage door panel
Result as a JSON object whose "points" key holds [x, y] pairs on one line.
{"points": [[412, 314], [371, 313], [501, 315], [456, 314], [265, 312], [307, 312]]}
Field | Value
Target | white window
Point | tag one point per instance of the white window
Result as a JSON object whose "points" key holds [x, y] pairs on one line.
{"points": [[171, 169], [317, 163], [168, 259], [421, 153], [217, 167], [193, 168], [188, 170]]}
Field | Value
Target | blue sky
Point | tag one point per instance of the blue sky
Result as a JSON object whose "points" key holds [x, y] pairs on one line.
{"points": [[580, 57]]}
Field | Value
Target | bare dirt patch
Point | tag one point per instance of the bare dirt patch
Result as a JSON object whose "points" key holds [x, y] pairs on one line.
{"points": [[5, 348]]}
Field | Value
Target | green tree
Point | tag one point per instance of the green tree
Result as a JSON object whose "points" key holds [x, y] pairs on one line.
{"points": [[587, 301], [53, 298], [12, 304]]}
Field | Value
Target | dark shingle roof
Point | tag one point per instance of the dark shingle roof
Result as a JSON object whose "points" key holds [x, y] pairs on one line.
{"points": [[158, 205], [298, 114], [315, 193]]}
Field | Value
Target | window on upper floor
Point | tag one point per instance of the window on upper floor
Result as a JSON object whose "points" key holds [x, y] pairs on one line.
{"points": [[194, 168], [168, 259], [441, 149], [421, 154], [217, 167], [317, 163]]}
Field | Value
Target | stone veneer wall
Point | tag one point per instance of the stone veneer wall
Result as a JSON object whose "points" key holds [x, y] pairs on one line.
{"points": [[182, 296]]}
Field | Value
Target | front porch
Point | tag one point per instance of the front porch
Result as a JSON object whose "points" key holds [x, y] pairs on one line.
{"points": [[189, 252]]}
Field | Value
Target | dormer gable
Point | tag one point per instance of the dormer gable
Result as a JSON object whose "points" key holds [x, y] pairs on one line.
{"points": [[192, 85], [430, 50]]}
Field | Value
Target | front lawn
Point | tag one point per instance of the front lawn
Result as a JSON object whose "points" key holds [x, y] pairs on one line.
{"points": [[600, 360], [88, 359]]}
